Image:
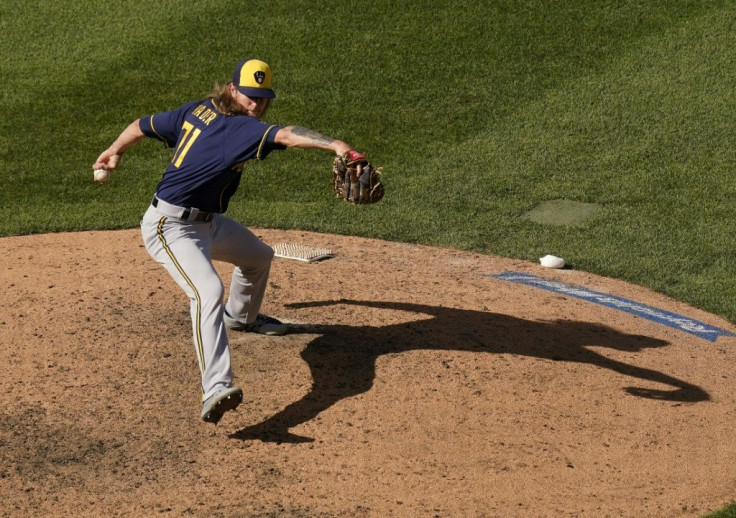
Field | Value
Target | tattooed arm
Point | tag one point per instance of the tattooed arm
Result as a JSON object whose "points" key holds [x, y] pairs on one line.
{"points": [[295, 136]]}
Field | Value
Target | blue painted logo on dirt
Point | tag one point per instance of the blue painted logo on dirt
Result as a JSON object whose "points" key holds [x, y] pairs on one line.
{"points": [[660, 316]]}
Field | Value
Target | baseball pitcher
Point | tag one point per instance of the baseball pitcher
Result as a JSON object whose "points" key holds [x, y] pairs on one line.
{"points": [[185, 228]]}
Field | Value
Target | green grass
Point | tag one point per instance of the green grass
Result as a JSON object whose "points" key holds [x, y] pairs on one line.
{"points": [[478, 111], [726, 512]]}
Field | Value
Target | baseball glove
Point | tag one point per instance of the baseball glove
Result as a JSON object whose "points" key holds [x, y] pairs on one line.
{"points": [[354, 179]]}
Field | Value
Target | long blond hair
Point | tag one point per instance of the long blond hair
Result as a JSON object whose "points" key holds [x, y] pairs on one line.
{"points": [[223, 98]]}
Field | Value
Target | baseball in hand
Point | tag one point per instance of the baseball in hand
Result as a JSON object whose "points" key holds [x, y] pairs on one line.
{"points": [[101, 175]]}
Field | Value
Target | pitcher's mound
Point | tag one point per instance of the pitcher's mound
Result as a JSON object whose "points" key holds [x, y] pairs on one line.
{"points": [[417, 381]]}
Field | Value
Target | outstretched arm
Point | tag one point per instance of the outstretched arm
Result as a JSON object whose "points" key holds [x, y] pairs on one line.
{"points": [[295, 136], [110, 158]]}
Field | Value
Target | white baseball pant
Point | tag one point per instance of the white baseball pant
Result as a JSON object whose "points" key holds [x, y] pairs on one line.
{"points": [[186, 249]]}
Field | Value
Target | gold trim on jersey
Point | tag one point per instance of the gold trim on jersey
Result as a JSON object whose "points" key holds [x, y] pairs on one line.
{"points": [[198, 319], [156, 132], [263, 141], [222, 193]]}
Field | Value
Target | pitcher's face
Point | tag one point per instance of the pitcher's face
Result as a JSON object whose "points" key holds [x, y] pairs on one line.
{"points": [[252, 106]]}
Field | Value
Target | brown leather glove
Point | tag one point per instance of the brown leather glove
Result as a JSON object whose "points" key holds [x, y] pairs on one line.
{"points": [[354, 179]]}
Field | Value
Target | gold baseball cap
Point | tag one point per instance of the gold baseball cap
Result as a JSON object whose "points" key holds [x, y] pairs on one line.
{"points": [[252, 77]]}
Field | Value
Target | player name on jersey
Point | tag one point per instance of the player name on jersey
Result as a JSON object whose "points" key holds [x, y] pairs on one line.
{"points": [[204, 114]]}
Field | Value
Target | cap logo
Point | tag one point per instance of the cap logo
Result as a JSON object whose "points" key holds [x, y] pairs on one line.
{"points": [[260, 76]]}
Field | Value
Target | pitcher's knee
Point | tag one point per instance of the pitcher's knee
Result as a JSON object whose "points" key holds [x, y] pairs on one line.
{"points": [[268, 253], [261, 257], [211, 294]]}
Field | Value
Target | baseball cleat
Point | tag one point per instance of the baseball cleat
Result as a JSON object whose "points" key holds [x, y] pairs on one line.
{"points": [[263, 325], [217, 404]]}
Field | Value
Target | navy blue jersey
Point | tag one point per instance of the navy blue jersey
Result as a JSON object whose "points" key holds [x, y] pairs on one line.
{"points": [[210, 149]]}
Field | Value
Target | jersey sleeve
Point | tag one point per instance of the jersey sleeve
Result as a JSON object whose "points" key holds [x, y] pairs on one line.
{"points": [[165, 126], [267, 142]]}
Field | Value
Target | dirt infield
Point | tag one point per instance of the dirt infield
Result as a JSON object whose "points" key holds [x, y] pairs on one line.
{"points": [[413, 385]]}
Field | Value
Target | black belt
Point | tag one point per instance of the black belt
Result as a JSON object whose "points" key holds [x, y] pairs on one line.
{"points": [[187, 213]]}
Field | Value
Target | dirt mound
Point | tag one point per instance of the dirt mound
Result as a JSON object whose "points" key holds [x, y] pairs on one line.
{"points": [[414, 384]]}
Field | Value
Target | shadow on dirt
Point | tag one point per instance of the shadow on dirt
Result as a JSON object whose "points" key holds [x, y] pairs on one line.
{"points": [[342, 361]]}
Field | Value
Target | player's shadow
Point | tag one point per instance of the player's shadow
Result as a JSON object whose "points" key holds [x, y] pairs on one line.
{"points": [[342, 360]]}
